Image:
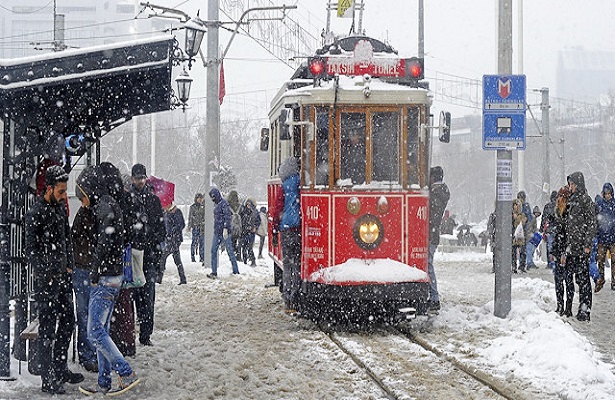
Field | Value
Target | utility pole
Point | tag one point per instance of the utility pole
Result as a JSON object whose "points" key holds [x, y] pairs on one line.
{"points": [[503, 245], [421, 29], [546, 176], [520, 154]]}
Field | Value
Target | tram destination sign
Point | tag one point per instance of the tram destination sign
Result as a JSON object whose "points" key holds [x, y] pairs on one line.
{"points": [[504, 112]]}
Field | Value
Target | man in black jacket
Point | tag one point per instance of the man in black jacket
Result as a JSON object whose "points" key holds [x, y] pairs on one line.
{"points": [[438, 199], [580, 227], [49, 249], [148, 233]]}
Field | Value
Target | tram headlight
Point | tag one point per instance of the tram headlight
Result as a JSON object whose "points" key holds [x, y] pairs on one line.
{"points": [[368, 232]]}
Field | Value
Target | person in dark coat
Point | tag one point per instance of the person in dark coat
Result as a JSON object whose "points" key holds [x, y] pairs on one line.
{"points": [[438, 199], [235, 207], [562, 274], [148, 233], [102, 190], [250, 220], [605, 209], [196, 224], [548, 216], [491, 228], [175, 224], [84, 241], [580, 226], [222, 228], [49, 249]]}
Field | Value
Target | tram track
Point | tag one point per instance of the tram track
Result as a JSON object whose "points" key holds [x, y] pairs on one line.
{"points": [[404, 365]]}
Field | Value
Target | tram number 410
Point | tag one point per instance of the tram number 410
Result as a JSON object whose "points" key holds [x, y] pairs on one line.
{"points": [[313, 212]]}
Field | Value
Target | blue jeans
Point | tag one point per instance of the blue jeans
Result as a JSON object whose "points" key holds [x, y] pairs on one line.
{"points": [[529, 253], [433, 283], [215, 244], [81, 286], [198, 241], [102, 301]]}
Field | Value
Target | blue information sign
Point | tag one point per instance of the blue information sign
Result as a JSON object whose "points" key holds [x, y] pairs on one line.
{"points": [[504, 112]]}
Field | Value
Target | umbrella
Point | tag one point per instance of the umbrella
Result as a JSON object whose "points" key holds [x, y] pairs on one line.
{"points": [[165, 190]]}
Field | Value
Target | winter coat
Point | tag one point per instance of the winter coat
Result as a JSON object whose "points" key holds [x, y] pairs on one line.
{"points": [[84, 238], [518, 217], [491, 226], [289, 174], [548, 214], [580, 224], [605, 210], [438, 199], [558, 232], [250, 219], [262, 228], [222, 213], [196, 217], [49, 245], [147, 219], [174, 224], [107, 259]]}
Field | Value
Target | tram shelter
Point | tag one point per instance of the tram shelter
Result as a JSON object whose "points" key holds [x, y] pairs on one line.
{"points": [[44, 100]]}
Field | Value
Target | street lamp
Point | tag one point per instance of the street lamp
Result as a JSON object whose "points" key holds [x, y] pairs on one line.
{"points": [[183, 88], [195, 30]]}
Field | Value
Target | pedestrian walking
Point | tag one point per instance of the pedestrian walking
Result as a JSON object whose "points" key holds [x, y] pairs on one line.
{"points": [[221, 232], [438, 199], [107, 276], [530, 238], [562, 273], [147, 233], [250, 221], [580, 226], [518, 241], [261, 232], [196, 224], [49, 249], [605, 209], [174, 223], [236, 224]]}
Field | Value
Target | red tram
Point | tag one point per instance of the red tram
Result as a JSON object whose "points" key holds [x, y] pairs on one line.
{"points": [[356, 116]]}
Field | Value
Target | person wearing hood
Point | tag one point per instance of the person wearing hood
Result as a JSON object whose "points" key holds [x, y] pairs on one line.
{"points": [[196, 223], [221, 233], [605, 209], [49, 248], [546, 226], [287, 221], [250, 222], [236, 223], [580, 227], [101, 189], [175, 224], [530, 244]]}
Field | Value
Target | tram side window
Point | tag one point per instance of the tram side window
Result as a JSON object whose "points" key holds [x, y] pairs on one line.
{"points": [[322, 147], [412, 160], [352, 156], [385, 146]]}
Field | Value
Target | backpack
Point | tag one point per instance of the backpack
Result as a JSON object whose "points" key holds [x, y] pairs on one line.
{"points": [[235, 224]]}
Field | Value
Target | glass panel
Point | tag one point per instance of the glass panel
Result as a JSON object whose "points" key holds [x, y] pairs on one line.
{"points": [[322, 146], [385, 146], [352, 155], [412, 160]]}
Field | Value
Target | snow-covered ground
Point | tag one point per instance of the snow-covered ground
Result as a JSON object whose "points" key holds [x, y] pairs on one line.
{"points": [[229, 339]]}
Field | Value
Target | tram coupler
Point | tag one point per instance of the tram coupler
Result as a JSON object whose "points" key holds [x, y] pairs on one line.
{"points": [[407, 313]]}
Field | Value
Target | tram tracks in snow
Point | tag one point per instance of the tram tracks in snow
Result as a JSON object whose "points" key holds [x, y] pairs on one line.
{"points": [[404, 365]]}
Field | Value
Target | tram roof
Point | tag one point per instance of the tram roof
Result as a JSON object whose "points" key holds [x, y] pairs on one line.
{"points": [[351, 90]]}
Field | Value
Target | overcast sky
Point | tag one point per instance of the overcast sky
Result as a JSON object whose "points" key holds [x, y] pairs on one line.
{"points": [[460, 39]]}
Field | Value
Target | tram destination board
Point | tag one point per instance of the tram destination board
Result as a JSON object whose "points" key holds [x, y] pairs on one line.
{"points": [[504, 112]]}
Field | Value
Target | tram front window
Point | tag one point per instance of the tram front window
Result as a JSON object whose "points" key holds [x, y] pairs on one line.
{"points": [[385, 142], [352, 155], [322, 147]]}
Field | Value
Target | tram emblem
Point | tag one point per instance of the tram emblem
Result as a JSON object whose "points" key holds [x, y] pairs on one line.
{"points": [[504, 87]]}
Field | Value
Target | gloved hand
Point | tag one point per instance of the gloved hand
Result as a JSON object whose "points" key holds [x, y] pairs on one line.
{"points": [[94, 277], [225, 233]]}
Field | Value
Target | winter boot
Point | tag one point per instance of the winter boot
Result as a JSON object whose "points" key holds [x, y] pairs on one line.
{"points": [[599, 285], [568, 310], [560, 308]]}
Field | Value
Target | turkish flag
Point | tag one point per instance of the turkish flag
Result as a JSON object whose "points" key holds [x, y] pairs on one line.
{"points": [[222, 88]]}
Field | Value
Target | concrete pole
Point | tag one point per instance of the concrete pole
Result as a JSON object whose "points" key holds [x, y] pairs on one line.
{"points": [[135, 133], [421, 29], [520, 153], [504, 187], [212, 131], [546, 176], [152, 162]]}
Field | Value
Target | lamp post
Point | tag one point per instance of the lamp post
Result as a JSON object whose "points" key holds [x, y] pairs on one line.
{"points": [[184, 82], [195, 30]]}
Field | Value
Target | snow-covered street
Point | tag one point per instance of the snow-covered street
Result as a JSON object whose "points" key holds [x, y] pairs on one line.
{"points": [[229, 339]]}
